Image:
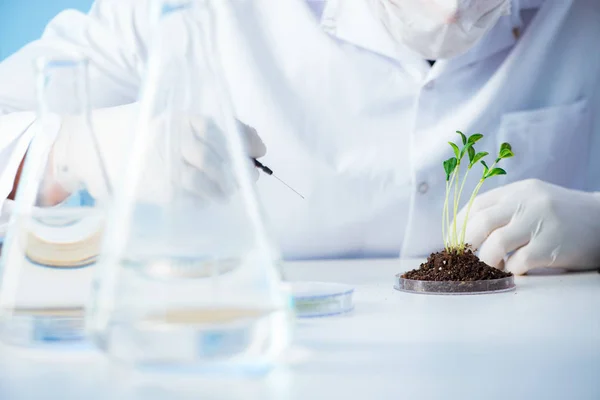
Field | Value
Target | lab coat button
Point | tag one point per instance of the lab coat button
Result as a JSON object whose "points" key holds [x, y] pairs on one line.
{"points": [[430, 85], [328, 26], [423, 187]]}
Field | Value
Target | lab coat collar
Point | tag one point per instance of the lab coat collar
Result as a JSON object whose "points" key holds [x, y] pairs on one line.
{"points": [[353, 21], [501, 37]]}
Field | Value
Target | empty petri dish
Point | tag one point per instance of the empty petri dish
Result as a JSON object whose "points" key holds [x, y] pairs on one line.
{"points": [[321, 299], [455, 288]]}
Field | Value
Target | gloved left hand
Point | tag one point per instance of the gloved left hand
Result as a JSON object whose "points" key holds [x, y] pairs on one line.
{"points": [[535, 224]]}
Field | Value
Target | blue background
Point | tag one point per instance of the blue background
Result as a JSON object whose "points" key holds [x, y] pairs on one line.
{"points": [[22, 21]]}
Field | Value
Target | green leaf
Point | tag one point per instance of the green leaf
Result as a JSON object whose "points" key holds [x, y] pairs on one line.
{"points": [[485, 168], [475, 138], [506, 153], [463, 137], [505, 146], [455, 148], [449, 167], [494, 172], [471, 155], [464, 150], [478, 157]]}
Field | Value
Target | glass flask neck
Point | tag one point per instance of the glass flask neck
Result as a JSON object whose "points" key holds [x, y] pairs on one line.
{"points": [[62, 86]]}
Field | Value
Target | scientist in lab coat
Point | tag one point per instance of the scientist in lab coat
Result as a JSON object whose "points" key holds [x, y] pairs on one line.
{"points": [[356, 100]]}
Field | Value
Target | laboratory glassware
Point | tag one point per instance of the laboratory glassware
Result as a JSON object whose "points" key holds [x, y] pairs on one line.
{"points": [[189, 276], [57, 218]]}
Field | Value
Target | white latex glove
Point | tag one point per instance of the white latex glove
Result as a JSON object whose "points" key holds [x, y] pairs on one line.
{"points": [[202, 150], [536, 225]]}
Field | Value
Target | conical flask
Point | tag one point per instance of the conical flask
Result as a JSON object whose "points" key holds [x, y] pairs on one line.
{"points": [[56, 221], [188, 274]]}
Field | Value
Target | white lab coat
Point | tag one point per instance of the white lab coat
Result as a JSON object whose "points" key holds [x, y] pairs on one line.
{"points": [[358, 125]]}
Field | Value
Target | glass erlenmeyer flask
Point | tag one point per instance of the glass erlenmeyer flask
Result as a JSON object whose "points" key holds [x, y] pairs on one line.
{"points": [[188, 275], [54, 236]]}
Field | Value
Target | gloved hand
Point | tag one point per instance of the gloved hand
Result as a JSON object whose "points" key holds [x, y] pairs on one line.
{"points": [[197, 146], [535, 224]]}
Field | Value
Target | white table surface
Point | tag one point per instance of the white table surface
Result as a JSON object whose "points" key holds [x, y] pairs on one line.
{"points": [[540, 342]]}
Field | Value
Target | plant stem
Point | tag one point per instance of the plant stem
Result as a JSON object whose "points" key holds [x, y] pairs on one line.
{"points": [[454, 233], [460, 243], [446, 221], [471, 200], [462, 185], [464, 228], [444, 217]]}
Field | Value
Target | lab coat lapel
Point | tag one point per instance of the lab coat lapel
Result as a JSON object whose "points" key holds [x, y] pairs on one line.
{"points": [[505, 34], [354, 22], [501, 37]]}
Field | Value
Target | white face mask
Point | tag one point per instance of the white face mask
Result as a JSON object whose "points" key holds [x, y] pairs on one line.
{"points": [[439, 29]]}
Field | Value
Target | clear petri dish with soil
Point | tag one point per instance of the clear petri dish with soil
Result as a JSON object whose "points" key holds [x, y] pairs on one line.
{"points": [[453, 273], [455, 287]]}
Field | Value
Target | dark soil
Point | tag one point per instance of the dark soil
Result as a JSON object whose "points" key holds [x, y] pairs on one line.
{"points": [[455, 267]]}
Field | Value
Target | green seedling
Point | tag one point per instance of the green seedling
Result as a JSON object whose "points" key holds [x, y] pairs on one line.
{"points": [[454, 239]]}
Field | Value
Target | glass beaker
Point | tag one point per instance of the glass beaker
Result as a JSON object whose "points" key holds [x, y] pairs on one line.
{"points": [[54, 235], [188, 276]]}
